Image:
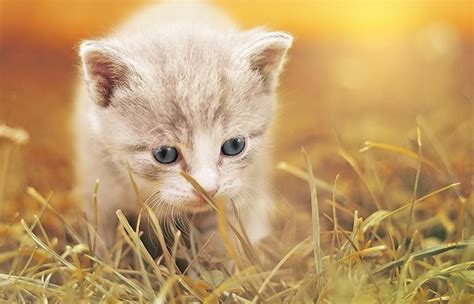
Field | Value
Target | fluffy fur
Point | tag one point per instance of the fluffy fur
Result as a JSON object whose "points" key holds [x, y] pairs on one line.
{"points": [[178, 75]]}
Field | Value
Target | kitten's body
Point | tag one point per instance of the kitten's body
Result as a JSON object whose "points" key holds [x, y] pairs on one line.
{"points": [[182, 76]]}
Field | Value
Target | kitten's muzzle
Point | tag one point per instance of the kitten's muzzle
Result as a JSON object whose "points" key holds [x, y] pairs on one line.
{"points": [[199, 202], [210, 191], [208, 179]]}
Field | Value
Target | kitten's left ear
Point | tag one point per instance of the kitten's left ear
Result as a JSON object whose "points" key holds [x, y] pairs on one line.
{"points": [[267, 54]]}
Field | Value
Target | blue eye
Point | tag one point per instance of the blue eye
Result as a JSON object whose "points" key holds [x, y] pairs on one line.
{"points": [[233, 146], [165, 155]]}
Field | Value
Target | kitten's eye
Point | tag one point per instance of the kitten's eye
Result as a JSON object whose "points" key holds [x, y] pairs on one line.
{"points": [[165, 155], [233, 146]]}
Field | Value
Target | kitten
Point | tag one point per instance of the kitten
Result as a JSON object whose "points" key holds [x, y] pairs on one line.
{"points": [[178, 88]]}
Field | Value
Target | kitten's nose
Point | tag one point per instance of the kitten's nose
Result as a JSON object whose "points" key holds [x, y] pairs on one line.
{"points": [[207, 178], [211, 191]]}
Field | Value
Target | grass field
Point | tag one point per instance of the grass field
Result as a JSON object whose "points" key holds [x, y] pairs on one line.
{"points": [[417, 250], [378, 209]]}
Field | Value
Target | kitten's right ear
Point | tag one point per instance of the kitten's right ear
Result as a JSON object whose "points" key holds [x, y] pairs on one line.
{"points": [[103, 69], [267, 53]]}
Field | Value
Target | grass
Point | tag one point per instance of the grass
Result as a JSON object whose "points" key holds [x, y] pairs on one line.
{"points": [[417, 250]]}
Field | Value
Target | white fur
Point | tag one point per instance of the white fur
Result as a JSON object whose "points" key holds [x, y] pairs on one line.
{"points": [[177, 75]]}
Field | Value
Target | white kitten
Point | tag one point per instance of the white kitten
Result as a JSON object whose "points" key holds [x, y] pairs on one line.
{"points": [[178, 88]]}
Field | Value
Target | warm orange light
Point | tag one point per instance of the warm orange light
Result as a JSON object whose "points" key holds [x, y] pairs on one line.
{"points": [[353, 18], [68, 21]]}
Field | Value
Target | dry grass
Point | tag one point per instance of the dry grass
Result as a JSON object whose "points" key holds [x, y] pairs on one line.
{"points": [[419, 250]]}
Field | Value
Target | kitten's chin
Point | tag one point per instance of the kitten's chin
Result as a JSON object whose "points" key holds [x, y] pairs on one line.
{"points": [[197, 206]]}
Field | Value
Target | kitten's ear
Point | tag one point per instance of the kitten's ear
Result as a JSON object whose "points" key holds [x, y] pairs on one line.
{"points": [[104, 70], [267, 54]]}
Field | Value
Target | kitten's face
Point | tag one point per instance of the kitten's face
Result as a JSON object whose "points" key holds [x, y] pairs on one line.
{"points": [[200, 104]]}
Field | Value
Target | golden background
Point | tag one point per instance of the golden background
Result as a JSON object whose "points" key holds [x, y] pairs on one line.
{"points": [[359, 70]]}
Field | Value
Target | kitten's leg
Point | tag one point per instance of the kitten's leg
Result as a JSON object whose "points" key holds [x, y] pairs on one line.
{"points": [[257, 209], [106, 221], [112, 195], [257, 219]]}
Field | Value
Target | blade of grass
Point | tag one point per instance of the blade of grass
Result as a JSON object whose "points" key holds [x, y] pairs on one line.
{"points": [[351, 161], [221, 223], [314, 215], [126, 280], [361, 258], [96, 216], [335, 235], [417, 178], [364, 252], [383, 214], [140, 251], [277, 267], [320, 184], [3, 178], [429, 252], [438, 148], [237, 279], [351, 239], [245, 246], [166, 289], [369, 145], [201, 250], [174, 249], [30, 284], [161, 238], [51, 252], [40, 199], [441, 272]]}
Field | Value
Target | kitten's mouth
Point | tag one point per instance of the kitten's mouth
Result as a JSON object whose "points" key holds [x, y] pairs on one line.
{"points": [[199, 204], [197, 207]]}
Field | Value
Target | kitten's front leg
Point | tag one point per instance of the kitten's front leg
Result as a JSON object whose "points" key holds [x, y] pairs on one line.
{"points": [[111, 197], [257, 219]]}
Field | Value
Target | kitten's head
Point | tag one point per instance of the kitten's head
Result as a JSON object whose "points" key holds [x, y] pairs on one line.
{"points": [[193, 100]]}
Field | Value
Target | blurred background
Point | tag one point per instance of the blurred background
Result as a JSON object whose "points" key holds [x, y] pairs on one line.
{"points": [[358, 71]]}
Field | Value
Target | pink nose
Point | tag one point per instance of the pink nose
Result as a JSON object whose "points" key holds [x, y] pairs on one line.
{"points": [[210, 191], [208, 180]]}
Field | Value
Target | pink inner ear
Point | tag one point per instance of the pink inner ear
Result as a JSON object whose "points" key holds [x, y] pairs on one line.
{"points": [[268, 54], [104, 73], [105, 79], [267, 61]]}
